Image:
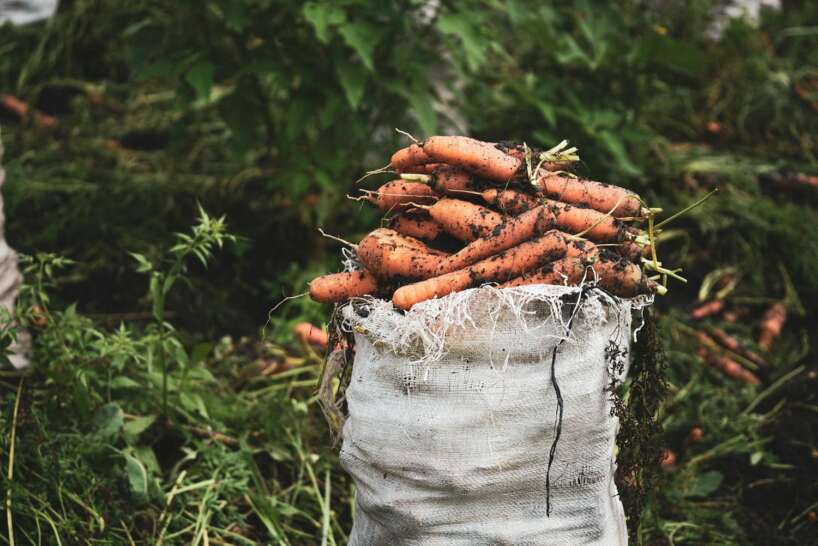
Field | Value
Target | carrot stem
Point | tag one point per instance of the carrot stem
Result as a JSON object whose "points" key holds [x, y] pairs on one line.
{"points": [[687, 208]]}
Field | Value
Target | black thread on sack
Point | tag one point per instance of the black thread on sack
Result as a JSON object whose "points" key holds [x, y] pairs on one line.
{"points": [[558, 426]]}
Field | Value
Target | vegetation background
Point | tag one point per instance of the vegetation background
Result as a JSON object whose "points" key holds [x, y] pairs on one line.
{"points": [[166, 406]]}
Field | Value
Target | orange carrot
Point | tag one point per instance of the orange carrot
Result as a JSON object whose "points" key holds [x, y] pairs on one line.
{"points": [[667, 461], [337, 287], [510, 201], [423, 168], [734, 345], [771, 325], [540, 219], [409, 156], [464, 220], [695, 435], [565, 271], [451, 180], [481, 158], [311, 335], [728, 366], [501, 267], [632, 251], [617, 276], [386, 253], [22, 110], [400, 194], [707, 309], [415, 225], [596, 195]]}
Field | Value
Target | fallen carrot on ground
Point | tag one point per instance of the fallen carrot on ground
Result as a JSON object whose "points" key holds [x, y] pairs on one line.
{"points": [[729, 367], [311, 335], [771, 325], [734, 345], [707, 309]]}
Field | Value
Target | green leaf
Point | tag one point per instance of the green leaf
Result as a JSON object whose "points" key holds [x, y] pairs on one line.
{"points": [[137, 477], [124, 382], [474, 45], [353, 79], [617, 149], [139, 425], [200, 77], [322, 16], [108, 420], [362, 37], [756, 457], [704, 484]]}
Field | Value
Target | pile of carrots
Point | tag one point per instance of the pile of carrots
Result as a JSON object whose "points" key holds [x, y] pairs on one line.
{"points": [[461, 213]]}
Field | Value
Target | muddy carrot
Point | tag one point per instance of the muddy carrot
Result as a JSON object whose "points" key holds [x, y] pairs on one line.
{"points": [[400, 194], [510, 201], [452, 180], [425, 168], [387, 253], [771, 325], [415, 225], [408, 157], [596, 195], [500, 267], [338, 287], [481, 158], [464, 220]]}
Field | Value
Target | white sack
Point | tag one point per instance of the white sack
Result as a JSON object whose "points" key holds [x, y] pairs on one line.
{"points": [[452, 415], [22, 12], [10, 280]]}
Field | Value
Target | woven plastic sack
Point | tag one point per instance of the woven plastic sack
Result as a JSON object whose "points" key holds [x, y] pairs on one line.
{"points": [[452, 415], [10, 280]]}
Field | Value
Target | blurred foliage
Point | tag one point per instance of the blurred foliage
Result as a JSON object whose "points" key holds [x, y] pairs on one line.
{"points": [[268, 112]]}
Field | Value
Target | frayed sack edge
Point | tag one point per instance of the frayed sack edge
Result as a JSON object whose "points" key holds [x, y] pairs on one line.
{"points": [[420, 333]]}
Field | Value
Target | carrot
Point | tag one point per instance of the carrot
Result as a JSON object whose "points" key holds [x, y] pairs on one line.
{"points": [[771, 325], [620, 277], [594, 224], [464, 220], [632, 251], [481, 158], [728, 366], [596, 195], [695, 435], [510, 201], [337, 287], [400, 194], [387, 253], [451, 180], [311, 334], [501, 267], [408, 157], [423, 168], [707, 309], [567, 271], [667, 461], [731, 343], [22, 110], [415, 225]]}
